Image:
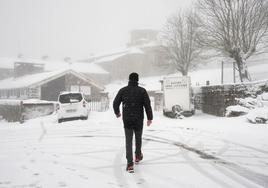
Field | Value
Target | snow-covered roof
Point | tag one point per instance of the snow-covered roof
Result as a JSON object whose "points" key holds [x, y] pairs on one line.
{"points": [[52, 65], [113, 55], [40, 78], [76, 66]]}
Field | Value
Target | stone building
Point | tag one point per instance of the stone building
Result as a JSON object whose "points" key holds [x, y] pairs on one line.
{"points": [[143, 54]]}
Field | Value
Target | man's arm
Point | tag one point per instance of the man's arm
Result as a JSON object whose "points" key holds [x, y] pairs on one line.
{"points": [[148, 108], [116, 103]]}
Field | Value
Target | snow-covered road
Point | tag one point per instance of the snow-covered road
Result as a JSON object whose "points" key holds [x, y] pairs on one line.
{"points": [[201, 151]]}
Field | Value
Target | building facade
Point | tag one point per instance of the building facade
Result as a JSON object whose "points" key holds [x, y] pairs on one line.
{"points": [[48, 85]]}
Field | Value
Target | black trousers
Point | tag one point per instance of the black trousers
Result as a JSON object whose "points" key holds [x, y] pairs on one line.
{"points": [[138, 142]]}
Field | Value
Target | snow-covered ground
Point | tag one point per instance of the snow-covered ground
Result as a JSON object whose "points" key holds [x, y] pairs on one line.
{"points": [[200, 151]]}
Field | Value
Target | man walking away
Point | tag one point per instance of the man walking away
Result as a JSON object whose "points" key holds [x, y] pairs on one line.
{"points": [[134, 99]]}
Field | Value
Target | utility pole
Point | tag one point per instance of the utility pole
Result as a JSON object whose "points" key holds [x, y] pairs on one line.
{"points": [[234, 71], [222, 72]]}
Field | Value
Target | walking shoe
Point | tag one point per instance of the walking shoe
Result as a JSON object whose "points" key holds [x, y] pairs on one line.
{"points": [[138, 158], [130, 167]]}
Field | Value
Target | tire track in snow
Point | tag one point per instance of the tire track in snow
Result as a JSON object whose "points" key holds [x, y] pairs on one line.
{"points": [[202, 171], [260, 179], [245, 146], [191, 162]]}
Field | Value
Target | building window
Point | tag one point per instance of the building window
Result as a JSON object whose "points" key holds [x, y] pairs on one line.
{"points": [[74, 88], [86, 90]]}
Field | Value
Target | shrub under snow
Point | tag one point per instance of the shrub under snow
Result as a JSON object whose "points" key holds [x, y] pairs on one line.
{"points": [[256, 108]]}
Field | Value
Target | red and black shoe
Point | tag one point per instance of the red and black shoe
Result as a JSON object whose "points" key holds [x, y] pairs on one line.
{"points": [[130, 168], [138, 158]]}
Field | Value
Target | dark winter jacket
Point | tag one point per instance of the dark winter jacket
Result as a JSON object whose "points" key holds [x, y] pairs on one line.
{"points": [[134, 100]]}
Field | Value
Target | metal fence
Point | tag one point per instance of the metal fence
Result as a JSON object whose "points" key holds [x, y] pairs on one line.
{"points": [[99, 106]]}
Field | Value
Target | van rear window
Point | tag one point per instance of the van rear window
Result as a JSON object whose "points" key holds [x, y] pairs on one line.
{"points": [[70, 98]]}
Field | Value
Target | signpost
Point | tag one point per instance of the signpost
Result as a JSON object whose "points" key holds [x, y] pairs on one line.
{"points": [[177, 91]]}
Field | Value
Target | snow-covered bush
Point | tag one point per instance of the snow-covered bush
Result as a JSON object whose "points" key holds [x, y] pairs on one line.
{"points": [[248, 102], [258, 115], [262, 100], [253, 90], [255, 108], [236, 110], [242, 107]]}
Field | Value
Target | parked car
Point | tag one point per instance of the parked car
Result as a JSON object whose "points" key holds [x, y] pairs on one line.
{"points": [[72, 105]]}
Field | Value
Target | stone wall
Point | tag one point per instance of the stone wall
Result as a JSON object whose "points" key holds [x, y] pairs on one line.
{"points": [[214, 99], [10, 110], [19, 111]]}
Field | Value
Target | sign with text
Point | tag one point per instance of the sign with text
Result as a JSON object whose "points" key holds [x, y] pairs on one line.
{"points": [[177, 92]]}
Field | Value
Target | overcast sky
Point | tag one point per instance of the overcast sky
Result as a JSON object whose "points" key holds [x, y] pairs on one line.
{"points": [[76, 28]]}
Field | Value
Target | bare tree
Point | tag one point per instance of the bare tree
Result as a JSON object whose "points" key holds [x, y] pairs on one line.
{"points": [[179, 38], [236, 28]]}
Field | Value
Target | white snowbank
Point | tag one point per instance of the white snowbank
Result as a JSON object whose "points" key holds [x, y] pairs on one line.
{"points": [[236, 108], [248, 102], [255, 108], [258, 115], [264, 96]]}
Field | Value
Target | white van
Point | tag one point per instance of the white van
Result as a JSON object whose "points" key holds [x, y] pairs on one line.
{"points": [[72, 105]]}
